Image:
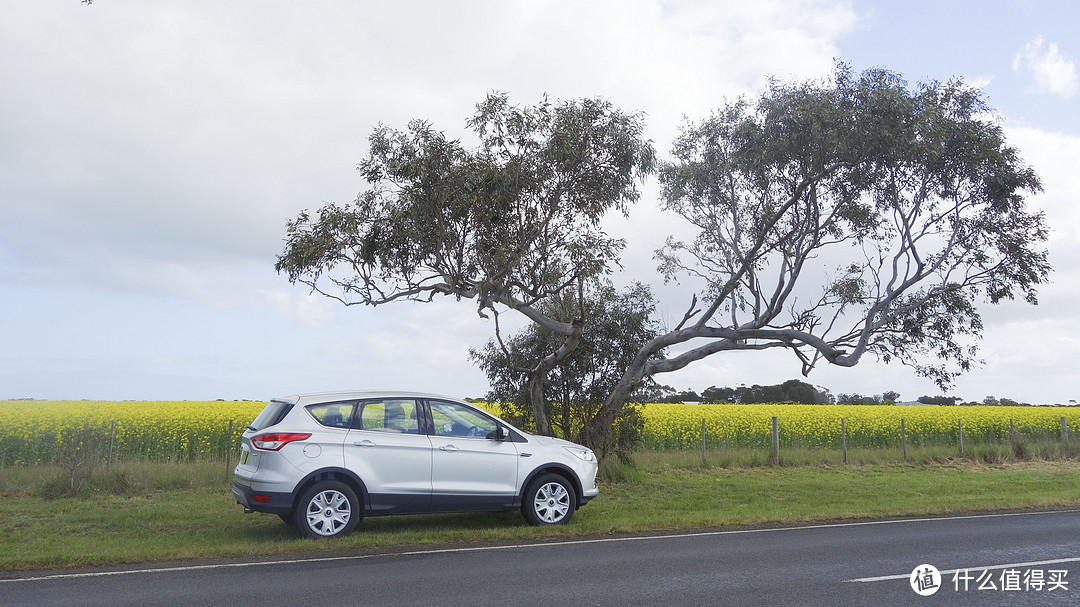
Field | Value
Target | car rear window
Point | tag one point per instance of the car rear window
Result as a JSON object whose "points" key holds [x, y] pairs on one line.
{"points": [[271, 414]]}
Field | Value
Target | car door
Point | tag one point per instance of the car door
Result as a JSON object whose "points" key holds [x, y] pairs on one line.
{"points": [[386, 449], [470, 468]]}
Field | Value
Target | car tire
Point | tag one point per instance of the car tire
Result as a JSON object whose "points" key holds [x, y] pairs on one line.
{"points": [[549, 499], [327, 509]]}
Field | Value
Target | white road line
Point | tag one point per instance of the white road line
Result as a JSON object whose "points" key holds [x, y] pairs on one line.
{"points": [[905, 576], [636, 538]]}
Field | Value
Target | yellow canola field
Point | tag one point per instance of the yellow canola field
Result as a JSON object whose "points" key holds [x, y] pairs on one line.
{"points": [[678, 426], [42, 431], [33, 432]]}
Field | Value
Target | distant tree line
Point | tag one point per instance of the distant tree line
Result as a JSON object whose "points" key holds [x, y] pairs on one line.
{"points": [[793, 390], [989, 400], [888, 397], [797, 391]]}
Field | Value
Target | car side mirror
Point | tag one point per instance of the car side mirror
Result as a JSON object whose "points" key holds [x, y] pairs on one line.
{"points": [[500, 433]]}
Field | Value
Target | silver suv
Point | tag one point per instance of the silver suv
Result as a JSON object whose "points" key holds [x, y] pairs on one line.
{"points": [[323, 461]]}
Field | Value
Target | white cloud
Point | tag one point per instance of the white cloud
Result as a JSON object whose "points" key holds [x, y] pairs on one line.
{"points": [[979, 82], [1053, 156], [1054, 73], [141, 136], [309, 310]]}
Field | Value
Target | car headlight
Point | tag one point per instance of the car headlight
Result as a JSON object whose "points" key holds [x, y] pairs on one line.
{"points": [[585, 455]]}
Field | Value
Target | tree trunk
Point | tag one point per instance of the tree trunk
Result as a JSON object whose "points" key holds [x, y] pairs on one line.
{"points": [[597, 433], [538, 375], [536, 399], [566, 418]]}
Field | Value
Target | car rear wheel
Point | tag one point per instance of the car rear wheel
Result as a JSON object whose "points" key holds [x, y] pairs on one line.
{"points": [[549, 500], [327, 509]]}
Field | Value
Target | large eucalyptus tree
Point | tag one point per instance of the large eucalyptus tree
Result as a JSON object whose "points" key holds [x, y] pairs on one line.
{"points": [[834, 219]]}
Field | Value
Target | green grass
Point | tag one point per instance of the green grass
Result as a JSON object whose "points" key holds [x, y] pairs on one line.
{"points": [[161, 512]]}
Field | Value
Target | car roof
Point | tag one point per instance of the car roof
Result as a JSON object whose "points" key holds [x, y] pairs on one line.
{"points": [[339, 395]]}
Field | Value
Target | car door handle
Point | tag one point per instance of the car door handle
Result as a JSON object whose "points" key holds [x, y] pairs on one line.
{"points": [[448, 448], [365, 443]]}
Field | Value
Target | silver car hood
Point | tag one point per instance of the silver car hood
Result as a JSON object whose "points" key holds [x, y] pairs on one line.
{"points": [[551, 441]]}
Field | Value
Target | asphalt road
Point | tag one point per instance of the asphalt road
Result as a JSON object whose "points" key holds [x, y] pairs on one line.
{"points": [[1029, 558]]}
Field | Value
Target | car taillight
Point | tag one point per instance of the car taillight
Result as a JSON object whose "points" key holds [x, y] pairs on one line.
{"points": [[276, 440]]}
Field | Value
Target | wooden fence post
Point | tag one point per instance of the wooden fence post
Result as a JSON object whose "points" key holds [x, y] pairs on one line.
{"points": [[960, 429], [843, 438], [1064, 431], [903, 438], [703, 440], [775, 442], [112, 435], [228, 449]]}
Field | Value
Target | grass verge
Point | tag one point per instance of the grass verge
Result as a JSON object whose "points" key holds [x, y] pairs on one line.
{"points": [[167, 512]]}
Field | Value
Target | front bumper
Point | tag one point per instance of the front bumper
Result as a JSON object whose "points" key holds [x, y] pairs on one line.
{"points": [[588, 494]]}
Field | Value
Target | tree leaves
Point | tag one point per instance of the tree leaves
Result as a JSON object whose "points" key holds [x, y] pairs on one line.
{"points": [[916, 186], [510, 222]]}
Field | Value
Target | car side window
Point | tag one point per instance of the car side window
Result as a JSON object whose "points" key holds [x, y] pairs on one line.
{"points": [[389, 415], [452, 419], [333, 415]]}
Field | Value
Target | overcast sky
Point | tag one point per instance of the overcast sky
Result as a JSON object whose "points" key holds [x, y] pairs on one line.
{"points": [[151, 152]]}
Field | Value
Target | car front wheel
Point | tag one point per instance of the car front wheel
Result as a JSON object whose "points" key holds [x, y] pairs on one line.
{"points": [[327, 509], [549, 500]]}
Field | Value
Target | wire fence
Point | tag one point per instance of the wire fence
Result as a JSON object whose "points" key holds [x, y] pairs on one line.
{"points": [[778, 436]]}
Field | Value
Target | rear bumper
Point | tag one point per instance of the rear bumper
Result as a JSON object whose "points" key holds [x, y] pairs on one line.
{"points": [[262, 501]]}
